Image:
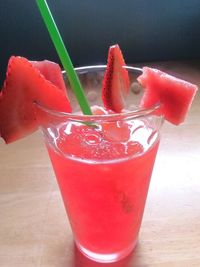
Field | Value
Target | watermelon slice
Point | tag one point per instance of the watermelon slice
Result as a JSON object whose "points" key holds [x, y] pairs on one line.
{"points": [[23, 86], [51, 72], [174, 95], [116, 81]]}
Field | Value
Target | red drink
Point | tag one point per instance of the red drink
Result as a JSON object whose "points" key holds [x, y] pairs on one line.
{"points": [[104, 182]]}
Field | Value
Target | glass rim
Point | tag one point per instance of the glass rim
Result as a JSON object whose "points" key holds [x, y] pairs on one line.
{"points": [[102, 67], [132, 114]]}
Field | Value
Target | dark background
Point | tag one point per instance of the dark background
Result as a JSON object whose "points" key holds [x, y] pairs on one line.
{"points": [[146, 30]]}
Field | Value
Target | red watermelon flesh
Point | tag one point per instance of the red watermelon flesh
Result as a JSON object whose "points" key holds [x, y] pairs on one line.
{"points": [[51, 72], [116, 81], [174, 95], [23, 86]]}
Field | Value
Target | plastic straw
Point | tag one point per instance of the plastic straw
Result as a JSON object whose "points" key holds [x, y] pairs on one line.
{"points": [[64, 56]]}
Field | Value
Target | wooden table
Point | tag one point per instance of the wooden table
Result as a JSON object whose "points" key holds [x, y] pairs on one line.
{"points": [[34, 231]]}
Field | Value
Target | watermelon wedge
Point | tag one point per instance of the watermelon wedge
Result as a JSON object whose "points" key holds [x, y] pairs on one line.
{"points": [[174, 95], [51, 72], [23, 86], [116, 81]]}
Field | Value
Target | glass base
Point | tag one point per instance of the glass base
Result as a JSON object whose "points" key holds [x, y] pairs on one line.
{"points": [[106, 258]]}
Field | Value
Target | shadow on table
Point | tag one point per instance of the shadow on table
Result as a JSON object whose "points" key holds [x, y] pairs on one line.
{"points": [[81, 261]]}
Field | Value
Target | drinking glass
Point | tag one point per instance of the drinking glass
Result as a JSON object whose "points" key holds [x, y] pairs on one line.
{"points": [[103, 165]]}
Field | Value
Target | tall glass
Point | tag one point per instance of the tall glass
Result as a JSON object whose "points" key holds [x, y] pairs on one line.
{"points": [[103, 164]]}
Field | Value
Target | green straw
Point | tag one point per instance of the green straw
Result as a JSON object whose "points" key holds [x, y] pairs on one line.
{"points": [[64, 56]]}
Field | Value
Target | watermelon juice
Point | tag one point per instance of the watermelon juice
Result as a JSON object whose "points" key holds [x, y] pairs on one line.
{"points": [[103, 165], [104, 182]]}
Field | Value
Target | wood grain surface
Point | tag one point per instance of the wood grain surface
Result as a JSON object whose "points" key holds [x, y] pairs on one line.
{"points": [[34, 230]]}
